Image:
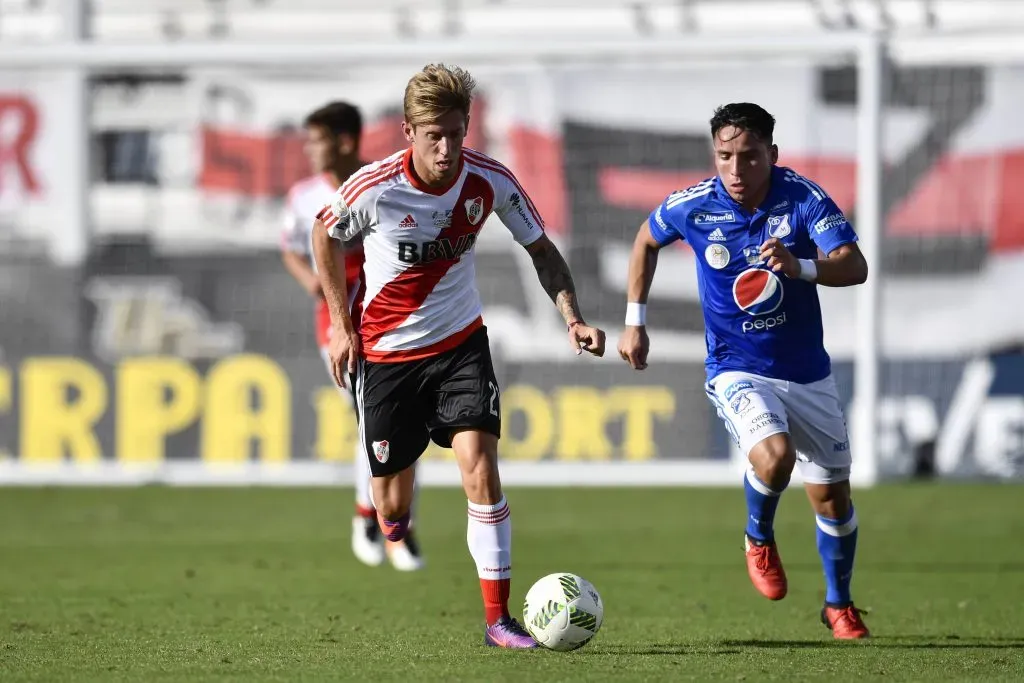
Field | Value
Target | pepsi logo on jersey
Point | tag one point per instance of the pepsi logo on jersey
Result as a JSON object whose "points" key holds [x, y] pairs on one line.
{"points": [[759, 292]]}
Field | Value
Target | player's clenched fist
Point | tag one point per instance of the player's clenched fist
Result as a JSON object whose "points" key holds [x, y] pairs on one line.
{"points": [[585, 338], [780, 259], [343, 350], [634, 346]]}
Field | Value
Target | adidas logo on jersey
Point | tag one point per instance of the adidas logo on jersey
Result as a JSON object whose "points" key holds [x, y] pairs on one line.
{"points": [[716, 235], [408, 222]]}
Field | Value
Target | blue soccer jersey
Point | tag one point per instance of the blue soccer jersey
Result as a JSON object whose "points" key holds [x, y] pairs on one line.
{"points": [[755, 320]]}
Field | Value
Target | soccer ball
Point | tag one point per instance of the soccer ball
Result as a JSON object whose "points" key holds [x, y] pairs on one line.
{"points": [[563, 611]]}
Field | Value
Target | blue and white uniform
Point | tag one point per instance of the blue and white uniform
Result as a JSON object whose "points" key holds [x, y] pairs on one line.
{"points": [[767, 368]]}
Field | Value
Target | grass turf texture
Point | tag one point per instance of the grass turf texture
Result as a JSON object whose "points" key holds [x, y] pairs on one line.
{"points": [[259, 584]]}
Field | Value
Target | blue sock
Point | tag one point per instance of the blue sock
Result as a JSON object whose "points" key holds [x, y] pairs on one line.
{"points": [[837, 545], [761, 505]]}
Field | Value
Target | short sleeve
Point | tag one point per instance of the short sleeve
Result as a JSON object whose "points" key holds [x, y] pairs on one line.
{"points": [[826, 224], [662, 225], [515, 208], [343, 222]]}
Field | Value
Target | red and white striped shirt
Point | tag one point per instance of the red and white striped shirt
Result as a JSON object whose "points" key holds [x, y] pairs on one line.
{"points": [[304, 201], [419, 296]]}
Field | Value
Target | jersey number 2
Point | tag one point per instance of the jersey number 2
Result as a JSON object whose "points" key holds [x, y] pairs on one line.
{"points": [[494, 397]]}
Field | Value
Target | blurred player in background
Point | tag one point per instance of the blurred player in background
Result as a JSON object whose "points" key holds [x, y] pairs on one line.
{"points": [[757, 229], [416, 339], [332, 145]]}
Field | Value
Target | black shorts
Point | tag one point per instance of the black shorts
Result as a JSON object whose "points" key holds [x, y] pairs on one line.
{"points": [[403, 405]]}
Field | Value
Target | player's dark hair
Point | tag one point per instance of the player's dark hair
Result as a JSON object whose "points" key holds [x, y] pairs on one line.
{"points": [[744, 116], [338, 118]]}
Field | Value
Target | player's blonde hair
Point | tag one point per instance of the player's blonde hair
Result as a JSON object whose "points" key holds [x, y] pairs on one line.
{"points": [[435, 91]]}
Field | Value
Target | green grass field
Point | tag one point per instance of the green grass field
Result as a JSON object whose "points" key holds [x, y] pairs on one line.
{"points": [[259, 584]]}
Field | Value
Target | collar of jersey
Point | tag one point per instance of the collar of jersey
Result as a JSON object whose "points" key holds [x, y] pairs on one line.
{"points": [[415, 181]]}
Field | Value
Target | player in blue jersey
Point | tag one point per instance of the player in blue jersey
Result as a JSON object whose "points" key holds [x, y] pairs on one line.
{"points": [[757, 230]]}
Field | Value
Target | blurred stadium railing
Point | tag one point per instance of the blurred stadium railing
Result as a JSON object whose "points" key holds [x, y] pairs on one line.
{"points": [[173, 346]]}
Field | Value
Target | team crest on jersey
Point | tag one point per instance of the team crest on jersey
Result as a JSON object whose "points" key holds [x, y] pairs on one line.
{"points": [[778, 226], [474, 210], [717, 256], [381, 450]]}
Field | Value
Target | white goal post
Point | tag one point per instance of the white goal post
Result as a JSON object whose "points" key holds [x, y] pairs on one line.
{"points": [[79, 58]]}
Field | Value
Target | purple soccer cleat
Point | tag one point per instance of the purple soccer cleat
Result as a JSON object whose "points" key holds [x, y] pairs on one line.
{"points": [[508, 633], [395, 531]]}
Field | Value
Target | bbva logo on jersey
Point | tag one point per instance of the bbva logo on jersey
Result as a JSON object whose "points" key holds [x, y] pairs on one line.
{"points": [[435, 250]]}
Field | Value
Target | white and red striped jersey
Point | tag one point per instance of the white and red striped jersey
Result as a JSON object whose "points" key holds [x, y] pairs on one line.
{"points": [[420, 296], [304, 201]]}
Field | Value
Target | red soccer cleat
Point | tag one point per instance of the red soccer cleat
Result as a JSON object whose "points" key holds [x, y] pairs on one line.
{"points": [[845, 622], [765, 568]]}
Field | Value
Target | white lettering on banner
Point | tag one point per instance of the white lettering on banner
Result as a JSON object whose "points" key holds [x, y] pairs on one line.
{"points": [[995, 423], [137, 316], [999, 436]]}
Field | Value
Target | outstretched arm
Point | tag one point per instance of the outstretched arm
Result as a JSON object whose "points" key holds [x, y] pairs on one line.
{"points": [[634, 344], [643, 261], [555, 278]]}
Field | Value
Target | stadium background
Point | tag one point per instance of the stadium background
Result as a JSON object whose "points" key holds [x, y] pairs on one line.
{"points": [[172, 346]]}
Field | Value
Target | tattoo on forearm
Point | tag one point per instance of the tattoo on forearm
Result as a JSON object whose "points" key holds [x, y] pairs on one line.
{"points": [[557, 281]]}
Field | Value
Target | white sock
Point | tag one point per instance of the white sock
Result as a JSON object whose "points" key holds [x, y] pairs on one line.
{"points": [[361, 468], [489, 536]]}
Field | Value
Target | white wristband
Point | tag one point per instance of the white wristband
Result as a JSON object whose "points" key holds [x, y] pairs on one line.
{"points": [[808, 270], [636, 314]]}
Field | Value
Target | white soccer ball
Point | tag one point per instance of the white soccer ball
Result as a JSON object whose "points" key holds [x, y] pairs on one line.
{"points": [[563, 611]]}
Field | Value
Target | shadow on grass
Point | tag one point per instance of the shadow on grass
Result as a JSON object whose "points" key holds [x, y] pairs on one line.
{"points": [[951, 642], [733, 647], [659, 649], [893, 567]]}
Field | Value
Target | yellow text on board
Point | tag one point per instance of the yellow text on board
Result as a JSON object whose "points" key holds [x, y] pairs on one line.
{"points": [[244, 405]]}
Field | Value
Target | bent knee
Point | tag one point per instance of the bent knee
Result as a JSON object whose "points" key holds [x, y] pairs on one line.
{"points": [[773, 459]]}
